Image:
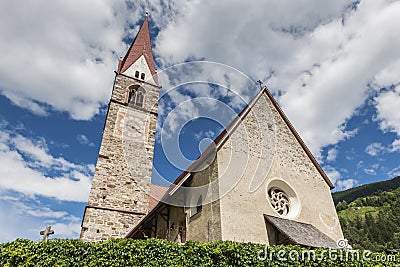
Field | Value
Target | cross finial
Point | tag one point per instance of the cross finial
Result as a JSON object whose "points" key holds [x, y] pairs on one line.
{"points": [[46, 232], [260, 83], [147, 12]]}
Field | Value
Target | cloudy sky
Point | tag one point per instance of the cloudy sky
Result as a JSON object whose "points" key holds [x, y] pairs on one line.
{"points": [[334, 67]]}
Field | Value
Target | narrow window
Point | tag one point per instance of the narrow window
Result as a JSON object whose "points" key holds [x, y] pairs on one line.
{"points": [[137, 74], [136, 95], [196, 207], [132, 96], [139, 99], [199, 206], [142, 76]]}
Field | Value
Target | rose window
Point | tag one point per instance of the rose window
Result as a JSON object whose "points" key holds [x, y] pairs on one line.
{"points": [[279, 201]]}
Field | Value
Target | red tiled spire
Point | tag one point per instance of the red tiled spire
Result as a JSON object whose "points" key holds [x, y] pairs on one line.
{"points": [[141, 46]]}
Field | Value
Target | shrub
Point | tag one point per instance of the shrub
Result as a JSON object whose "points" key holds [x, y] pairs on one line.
{"points": [[156, 252]]}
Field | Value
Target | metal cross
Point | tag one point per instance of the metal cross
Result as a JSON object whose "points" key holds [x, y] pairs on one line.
{"points": [[46, 232], [260, 82]]}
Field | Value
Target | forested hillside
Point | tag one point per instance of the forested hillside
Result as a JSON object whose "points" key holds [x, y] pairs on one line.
{"points": [[370, 216], [365, 190]]}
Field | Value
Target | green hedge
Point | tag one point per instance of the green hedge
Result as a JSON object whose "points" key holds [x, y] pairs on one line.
{"points": [[154, 252]]}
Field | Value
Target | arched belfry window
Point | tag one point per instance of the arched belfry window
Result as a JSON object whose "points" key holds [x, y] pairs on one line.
{"points": [[142, 76], [136, 95], [136, 74]]}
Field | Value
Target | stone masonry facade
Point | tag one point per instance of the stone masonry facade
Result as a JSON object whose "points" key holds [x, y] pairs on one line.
{"points": [[276, 158], [119, 195]]}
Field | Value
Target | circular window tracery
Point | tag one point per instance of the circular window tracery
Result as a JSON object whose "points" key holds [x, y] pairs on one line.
{"points": [[282, 198], [279, 201]]}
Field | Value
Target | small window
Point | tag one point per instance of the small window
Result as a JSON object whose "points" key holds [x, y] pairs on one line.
{"points": [[142, 76], [139, 99], [199, 206], [136, 95], [132, 94], [137, 74]]}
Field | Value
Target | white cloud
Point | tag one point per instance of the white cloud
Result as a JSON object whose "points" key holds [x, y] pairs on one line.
{"points": [[212, 30], [337, 85], [36, 151], [64, 59], [336, 178], [394, 172], [395, 146], [333, 174], [195, 89], [388, 76], [387, 104], [204, 134], [377, 149], [332, 154], [84, 140], [67, 230], [321, 58], [27, 167], [370, 171], [374, 149], [23, 217], [346, 184], [360, 164]]}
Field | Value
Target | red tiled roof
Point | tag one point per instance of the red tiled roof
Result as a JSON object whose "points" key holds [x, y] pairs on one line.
{"points": [[156, 193], [140, 46]]}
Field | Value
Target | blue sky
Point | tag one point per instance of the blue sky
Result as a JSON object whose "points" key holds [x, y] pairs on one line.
{"points": [[334, 67]]}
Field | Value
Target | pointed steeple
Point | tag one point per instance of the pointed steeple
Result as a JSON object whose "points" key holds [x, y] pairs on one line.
{"points": [[141, 46]]}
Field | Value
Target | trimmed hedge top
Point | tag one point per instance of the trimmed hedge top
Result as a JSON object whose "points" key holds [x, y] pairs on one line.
{"points": [[155, 252]]}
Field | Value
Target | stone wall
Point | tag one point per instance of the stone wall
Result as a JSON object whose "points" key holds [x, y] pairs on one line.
{"points": [[205, 226], [248, 163], [101, 225], [244, 162], [121, 94], [293, 165], [123, 171]]}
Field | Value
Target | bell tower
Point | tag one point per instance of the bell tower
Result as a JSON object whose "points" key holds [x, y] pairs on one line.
{"points": [[119, 196]]}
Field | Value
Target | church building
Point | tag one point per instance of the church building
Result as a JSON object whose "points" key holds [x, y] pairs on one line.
{"points": [[257, 182]]}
